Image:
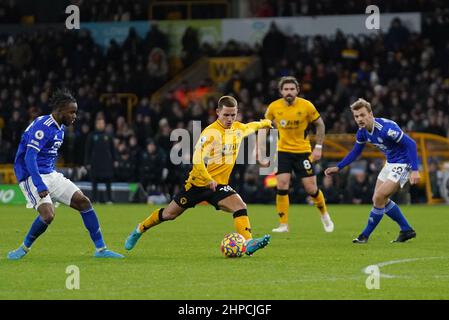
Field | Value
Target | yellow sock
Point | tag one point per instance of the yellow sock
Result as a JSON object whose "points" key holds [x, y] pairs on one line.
{"points": [[151, 221], [243, 226], [282, 204], [320, 202]]}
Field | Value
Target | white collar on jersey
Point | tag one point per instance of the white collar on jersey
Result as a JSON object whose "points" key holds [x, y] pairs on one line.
{"points": [[375, 125], [57, 124]]}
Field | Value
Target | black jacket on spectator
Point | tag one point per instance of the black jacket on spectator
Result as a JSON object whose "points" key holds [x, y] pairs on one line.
{"points": [[151, 166], [100, 155]]}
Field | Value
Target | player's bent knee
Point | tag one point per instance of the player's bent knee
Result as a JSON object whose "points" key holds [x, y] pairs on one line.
{"points": [[47, 212], [169, 215], [48, 217], [82, 203], [283, 185], [379, 199]]}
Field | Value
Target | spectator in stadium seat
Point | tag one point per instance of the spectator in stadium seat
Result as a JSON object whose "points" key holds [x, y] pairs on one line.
{"points": [[436, 125], [359, 189], [273, 45], [235, 84], [155, 38], [181, 94], [162, 138], [190, 47], [80, 144], [396, 36], [126, 166], [330, 191], [132, 42], [157, 68], [152, 162], [20, 54], [100, 159]]}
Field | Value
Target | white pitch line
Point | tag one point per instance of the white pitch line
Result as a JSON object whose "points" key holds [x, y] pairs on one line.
{"points": [[387, 263]]}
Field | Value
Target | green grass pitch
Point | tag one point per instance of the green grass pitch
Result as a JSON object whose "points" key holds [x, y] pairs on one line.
{"points": [[181, 259]]}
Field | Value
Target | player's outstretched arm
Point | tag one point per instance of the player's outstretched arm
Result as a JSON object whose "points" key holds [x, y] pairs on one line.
{"points": [[350, 157], [254, 126]]}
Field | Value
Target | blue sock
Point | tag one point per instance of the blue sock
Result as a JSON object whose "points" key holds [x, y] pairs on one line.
{"points": [[392, 210], [374, 218], [37, 228], [91, 222]]}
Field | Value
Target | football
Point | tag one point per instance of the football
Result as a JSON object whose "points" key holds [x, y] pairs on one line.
{"points": [[233, 245]]}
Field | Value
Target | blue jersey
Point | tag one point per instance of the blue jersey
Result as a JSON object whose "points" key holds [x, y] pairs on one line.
{"points": [[44, 135], [386, 136]]}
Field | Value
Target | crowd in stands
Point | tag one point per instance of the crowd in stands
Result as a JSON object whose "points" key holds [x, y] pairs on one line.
{"points": [[288, 8], [405, 76], [12, 11]]}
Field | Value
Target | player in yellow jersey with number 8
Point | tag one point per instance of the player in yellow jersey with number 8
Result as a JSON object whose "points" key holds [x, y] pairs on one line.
{"points": [[292, 116]]}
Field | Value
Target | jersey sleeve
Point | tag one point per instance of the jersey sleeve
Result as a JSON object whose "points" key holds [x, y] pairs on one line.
{"points": [[392, 132], [360, 137], [251, 127], [203, 149], [312, 113], [38, 137]]}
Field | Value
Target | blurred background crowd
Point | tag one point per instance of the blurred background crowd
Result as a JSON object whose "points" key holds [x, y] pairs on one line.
{"points": [[405, 75]]}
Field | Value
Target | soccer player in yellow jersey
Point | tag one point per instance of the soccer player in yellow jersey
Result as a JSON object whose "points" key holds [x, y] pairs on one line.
{"points": [[214, 157], [292, 116]]}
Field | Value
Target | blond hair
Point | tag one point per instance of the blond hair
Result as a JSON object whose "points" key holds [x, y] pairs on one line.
{"points": [[361, 103]]}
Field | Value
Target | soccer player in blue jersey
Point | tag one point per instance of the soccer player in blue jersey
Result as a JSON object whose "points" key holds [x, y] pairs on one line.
{"points": [[34, 167], [402, 165]]}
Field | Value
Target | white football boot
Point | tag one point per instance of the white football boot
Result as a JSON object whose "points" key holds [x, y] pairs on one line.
{"points": [[327, 222], [283, 227]]}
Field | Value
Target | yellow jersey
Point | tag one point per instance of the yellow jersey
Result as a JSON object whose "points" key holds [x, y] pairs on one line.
{"points": [[292, 122], [216, 152]]}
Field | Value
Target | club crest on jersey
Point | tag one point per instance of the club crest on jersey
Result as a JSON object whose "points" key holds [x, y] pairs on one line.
{"points": [[393, 133], [203, 139], [283, 123], [39, 134], [57, 145]]}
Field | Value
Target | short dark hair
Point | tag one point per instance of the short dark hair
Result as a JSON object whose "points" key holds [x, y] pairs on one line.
{"points": [[288, 79], [227, 101], [60, 98]]}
